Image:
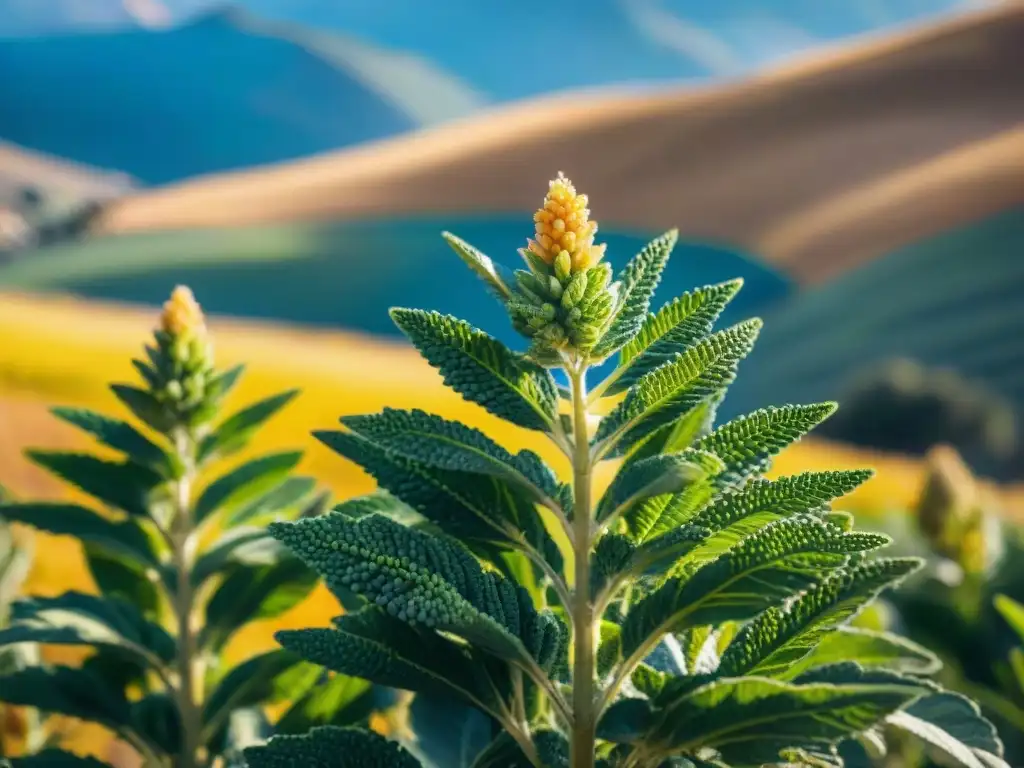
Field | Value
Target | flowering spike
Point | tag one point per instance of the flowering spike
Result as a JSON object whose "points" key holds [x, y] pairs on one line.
{"points": [[563, 226], [182, 316]]}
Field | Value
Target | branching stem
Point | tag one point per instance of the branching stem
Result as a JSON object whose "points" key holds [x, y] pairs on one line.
{"points": [[183, 555], [583, 620]]}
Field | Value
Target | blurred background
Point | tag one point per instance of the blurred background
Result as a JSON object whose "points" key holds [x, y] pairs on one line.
{"points": [[859, 162]]}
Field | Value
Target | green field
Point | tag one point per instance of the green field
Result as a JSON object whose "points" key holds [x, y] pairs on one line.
{"points": [[342, 275]]}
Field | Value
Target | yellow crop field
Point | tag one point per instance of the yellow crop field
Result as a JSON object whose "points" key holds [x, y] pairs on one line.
{"points": [[65, 351]]}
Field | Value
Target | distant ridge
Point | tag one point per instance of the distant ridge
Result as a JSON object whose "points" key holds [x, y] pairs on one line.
{"points": [[226, 90], [758, 163], [20, 168]]}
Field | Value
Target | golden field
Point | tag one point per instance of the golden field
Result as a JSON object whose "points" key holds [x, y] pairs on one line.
{"points": [[64, 351]]}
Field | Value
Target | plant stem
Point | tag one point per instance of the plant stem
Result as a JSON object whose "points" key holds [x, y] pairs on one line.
{"points": [[183, 553], [583, 704]]}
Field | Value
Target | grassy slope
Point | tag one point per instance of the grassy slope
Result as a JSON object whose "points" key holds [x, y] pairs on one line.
{"points": [[732, 162], [954, 301], [343, 275], [86, 345]]}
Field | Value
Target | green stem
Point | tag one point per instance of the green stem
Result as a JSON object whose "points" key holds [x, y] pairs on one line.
{"points": [[183, 554], [583, 694]]}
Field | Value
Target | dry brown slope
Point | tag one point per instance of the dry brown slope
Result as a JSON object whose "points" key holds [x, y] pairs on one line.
{"points": [[733, 162], [21, 167]]}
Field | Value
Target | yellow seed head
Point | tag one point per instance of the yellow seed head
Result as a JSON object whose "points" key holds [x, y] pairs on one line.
{"points": [[182, 316], [563, 225]]}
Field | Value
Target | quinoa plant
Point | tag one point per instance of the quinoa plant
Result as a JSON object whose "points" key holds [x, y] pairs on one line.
{"points": [[694, 614], [182, 558]]}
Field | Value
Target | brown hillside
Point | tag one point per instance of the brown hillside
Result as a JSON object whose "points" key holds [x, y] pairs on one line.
{"points": [[879, 143], [20, 167]]}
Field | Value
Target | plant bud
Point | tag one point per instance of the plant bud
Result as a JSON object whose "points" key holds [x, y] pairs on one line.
{"points": [[563, 266], [567, 299], [574, 291]]}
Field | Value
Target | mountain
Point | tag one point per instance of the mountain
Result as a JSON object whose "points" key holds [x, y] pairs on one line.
{"points": [[222, 92], [876, 144], [526, 48], [519, 49], [41, 17]]}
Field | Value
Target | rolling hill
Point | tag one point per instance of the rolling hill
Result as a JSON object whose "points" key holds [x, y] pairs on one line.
{"points": [[952, 301], [21, 168], [224, 91], [923, 125], [343, 274]]}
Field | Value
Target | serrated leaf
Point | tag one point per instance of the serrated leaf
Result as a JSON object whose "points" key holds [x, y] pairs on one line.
{"points": [[737, 514], [626, 721], [341, 700], [282, 502], [156, 718], [233, 434], [481, 264], [639, 280], [668, 473], [54, 758], [124, 538], [75, 618], [255, 681], [124, 579], [468, 507], [223, 383], [249, 593], [75, 693], [747, 444], [677, 435], [648, 680], [245, 545], [450, 733], [871, 649], [482, 369], [765, 568], [330, 747], [371, 645], [953, 725], [778, 638], [116, 434], [609, 647], [450, 445], [144, 406], [683, 383], [613, 555], [662, 514], [126, 486], [750, 720], [676, 326], [700, 650], [420, 578], [246, 483]]}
